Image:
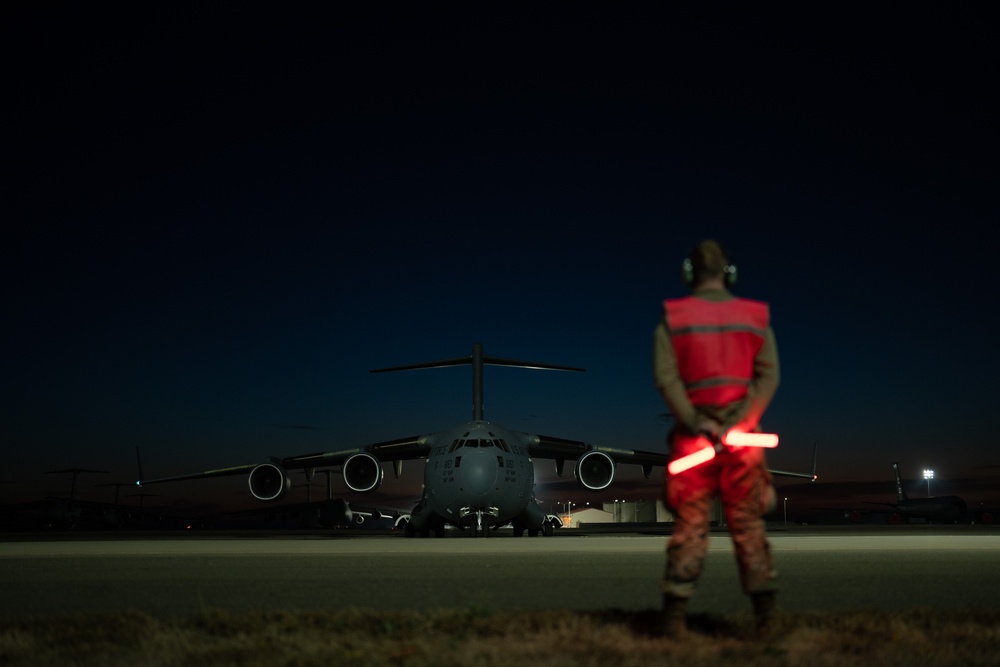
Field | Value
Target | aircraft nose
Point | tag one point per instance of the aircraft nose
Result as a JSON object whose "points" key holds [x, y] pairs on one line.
{"points": [[479, 473]]}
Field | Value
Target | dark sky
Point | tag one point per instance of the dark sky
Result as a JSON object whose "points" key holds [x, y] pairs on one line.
{"points": [[220, 219]]}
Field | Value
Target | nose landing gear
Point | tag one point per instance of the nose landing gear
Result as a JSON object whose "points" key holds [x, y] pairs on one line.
{"points": [[477, 523]]}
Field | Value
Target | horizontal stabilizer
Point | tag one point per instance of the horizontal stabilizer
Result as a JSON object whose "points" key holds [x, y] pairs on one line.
{"points": [[487, 361], [477, 360]]}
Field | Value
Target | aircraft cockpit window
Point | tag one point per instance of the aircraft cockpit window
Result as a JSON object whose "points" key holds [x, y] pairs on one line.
{"points": [[455, 444], [479, 442]]}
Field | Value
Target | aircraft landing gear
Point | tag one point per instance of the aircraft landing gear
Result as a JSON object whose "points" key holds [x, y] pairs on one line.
{"points": [[480, 523], [480, 527]]}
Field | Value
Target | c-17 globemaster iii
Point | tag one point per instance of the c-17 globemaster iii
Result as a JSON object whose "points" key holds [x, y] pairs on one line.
{"points": [[478, 475]]}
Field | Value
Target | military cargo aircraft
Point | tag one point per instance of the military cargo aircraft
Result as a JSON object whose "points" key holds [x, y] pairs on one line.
{"points": [[478, 475], [72, 513], [933, 509], [940, 509]]}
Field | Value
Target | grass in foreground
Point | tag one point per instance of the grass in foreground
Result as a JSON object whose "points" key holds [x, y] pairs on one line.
{"points": [[474, 637]]}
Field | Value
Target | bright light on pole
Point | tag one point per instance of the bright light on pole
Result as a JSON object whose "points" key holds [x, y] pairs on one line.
{"points": [[928, 475]]}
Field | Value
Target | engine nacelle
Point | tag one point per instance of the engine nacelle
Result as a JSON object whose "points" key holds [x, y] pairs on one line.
{"points": [[362, 473], [595, 471], [269, 482]]}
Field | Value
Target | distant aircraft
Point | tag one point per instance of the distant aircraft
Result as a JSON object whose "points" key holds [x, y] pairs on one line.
{"points": [[328, 513], [941, 509], [478, 475], [937, 509], [72, 513], [69, 512]]}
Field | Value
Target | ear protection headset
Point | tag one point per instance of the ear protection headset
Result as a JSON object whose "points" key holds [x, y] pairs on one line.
{"points": [[687, 273]]}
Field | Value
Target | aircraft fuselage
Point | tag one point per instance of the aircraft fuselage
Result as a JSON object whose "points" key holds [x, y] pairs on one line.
{"points": [[944, 508], [477, 475]]}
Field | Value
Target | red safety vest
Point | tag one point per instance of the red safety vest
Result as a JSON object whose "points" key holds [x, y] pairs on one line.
{"points": [[716, 343]]}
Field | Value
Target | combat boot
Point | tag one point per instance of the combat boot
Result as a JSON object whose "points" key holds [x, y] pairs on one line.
{"points": [[763, 611], [674, 612]]}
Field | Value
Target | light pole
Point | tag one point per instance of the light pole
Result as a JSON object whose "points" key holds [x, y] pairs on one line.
{"points": [[785, 510], [928, 475]]}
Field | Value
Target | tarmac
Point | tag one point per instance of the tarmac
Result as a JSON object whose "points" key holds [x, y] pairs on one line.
{"points": [[178, 574]]}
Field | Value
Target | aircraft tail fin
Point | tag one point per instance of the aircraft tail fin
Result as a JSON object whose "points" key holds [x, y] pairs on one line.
{"points": [[900, 493], [477, 360]]}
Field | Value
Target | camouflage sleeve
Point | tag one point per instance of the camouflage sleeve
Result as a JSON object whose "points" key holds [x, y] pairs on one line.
{"points": [[668, 381], [766, 377]]}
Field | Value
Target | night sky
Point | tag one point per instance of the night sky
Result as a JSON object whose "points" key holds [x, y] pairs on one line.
{"points": [[219, 219]]}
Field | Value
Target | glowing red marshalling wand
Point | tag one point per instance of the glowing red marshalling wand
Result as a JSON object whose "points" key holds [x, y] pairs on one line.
{"points": [[731, 438]]}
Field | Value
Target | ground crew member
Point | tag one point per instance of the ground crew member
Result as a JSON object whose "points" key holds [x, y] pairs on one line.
{"points": [[715, 363]]}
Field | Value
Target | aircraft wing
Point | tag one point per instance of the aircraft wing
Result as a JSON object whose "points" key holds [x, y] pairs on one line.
{"points": [[595, 465], [548, 447], [811, 476], [401, 449]]}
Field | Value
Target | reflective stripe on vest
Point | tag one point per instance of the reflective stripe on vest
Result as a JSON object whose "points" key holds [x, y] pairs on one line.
{"points": [[716, 343]]}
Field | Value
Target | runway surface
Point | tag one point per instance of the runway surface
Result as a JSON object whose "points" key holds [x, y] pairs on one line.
{"points": [[169, 576]]}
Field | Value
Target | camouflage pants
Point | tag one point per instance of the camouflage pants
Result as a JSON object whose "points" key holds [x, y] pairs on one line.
{"points": [[740, 478]]}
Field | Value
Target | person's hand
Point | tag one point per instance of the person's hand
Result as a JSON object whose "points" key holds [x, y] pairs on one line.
{"points": [[709, 427]]}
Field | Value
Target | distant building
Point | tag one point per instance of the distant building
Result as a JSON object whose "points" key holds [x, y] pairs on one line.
{"points": [[619, 511], [638, 511]]}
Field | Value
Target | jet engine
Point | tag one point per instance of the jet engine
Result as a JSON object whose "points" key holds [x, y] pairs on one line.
{"points": [[362, 473], [595, 471], [269, 482]]}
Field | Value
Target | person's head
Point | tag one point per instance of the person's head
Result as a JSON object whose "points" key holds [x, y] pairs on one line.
{"points": [[708, 264]]}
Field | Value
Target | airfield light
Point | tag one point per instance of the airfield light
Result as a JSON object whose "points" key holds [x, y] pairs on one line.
{"points": [[928, 475], [785, 510]]}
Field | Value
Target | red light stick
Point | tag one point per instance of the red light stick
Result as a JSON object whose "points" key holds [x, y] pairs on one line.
{"points": [[731, 438], [740, 439], [691, 460]]}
